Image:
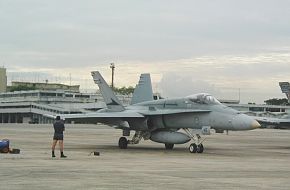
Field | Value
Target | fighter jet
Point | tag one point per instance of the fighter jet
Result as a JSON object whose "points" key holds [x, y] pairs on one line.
{"points": [[277, 123], [167, 121]]}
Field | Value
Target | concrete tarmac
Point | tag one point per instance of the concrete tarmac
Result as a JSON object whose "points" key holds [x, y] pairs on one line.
{"points": [[258, 159]]}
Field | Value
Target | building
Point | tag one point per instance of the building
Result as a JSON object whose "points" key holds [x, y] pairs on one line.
{"points": [[37, 106], [3, 79], [262, 110], [46, 86]]}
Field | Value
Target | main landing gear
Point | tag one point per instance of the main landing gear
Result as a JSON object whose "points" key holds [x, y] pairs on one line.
{"points": [[197, 146], [169, 146], [123, 142]]}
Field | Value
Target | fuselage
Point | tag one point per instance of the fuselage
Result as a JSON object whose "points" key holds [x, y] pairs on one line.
{"points": [[206, 111]]}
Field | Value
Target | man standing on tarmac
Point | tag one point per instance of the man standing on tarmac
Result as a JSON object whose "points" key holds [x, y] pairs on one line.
{"points": [[58, 136]]}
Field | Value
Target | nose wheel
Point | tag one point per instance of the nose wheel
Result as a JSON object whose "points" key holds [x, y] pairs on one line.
{"points": [[197, 146], [194, 148]]}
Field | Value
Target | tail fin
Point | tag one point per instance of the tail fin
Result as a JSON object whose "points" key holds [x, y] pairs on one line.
{"points": [[143, 91], [109, 97]]}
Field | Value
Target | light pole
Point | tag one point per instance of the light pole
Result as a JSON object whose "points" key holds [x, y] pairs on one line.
{"points": [[112, 66]]}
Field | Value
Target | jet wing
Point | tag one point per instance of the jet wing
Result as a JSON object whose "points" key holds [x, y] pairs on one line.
{"points": [[103, 115], [115, 118], [170, 111], [108, 118], [279, 123], [129, 114]]}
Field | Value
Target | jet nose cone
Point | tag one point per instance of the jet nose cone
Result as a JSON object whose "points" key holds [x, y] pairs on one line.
{"points": [[245, 122], [255, 124]]}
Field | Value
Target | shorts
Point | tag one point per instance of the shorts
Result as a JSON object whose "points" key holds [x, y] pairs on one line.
{"points": [[58, 136]]}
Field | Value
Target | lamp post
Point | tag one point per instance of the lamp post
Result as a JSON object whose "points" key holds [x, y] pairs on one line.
{"points": [[112, 66]]}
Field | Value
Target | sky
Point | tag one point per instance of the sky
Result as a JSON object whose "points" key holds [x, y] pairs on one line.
{"points": [[230, 49]]}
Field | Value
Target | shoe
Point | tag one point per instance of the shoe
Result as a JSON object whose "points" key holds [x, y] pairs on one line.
{"points": [[52, 154], [62, 155]]}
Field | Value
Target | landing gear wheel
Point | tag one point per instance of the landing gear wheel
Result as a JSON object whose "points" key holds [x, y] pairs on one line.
{"points": [[169, 146], [123, 143], [193, 148], [200, 148]]}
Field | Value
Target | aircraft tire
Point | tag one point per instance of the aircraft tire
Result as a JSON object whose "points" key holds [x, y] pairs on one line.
{"points": [[123, 143], [200, 148], [169, 146], [192, 148]]}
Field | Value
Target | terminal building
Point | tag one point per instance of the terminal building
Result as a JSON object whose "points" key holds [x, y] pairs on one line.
{"points": [[37, 105], [34, 106], [45, 100], [261, 110]]}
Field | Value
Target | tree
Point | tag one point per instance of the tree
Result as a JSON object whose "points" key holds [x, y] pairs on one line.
{"points": [[276, 101], [21, 88], [124, 90]]}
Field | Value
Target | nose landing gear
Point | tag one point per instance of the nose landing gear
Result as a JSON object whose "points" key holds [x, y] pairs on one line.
{"points": [[193, 148], [197, 146]]}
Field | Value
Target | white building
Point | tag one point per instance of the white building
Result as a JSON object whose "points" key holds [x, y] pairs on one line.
{"points": [[34, 106]]}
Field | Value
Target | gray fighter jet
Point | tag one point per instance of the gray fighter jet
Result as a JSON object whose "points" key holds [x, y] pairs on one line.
{"points": [[167, 121], [277, 123]]}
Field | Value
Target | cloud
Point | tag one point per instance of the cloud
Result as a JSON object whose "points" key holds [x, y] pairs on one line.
{"points": [[217, 45], [143, 30], [256, 76], [178, 85]]}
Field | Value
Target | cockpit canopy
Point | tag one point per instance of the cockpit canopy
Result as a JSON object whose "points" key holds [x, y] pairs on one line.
{"points": [[203, 98]]}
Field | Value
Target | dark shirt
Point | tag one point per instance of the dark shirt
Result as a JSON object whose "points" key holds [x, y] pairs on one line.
{"points": [[58, 127]]}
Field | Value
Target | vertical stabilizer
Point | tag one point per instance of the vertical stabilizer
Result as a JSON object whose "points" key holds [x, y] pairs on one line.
{"points": [[143, 91], [109, 97], [285, 88]]}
